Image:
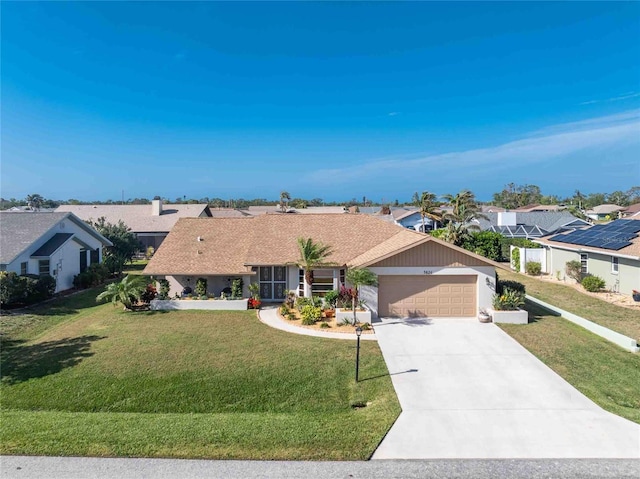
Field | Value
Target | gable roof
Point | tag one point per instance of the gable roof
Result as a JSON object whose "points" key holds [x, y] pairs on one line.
{"points": [[138, 218], [220, 246], [52, 245], [631, 210], [605, 209], [19, 230]]}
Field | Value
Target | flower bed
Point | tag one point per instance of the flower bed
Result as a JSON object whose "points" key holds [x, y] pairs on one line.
{"points": [[518, 316], [362, 316], [205, 304]]}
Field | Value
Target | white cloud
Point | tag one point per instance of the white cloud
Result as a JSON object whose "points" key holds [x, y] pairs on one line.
{"points": [[553, 143], [623, 96], [394, 113]]}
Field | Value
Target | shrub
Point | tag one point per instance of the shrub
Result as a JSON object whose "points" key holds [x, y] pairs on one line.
{"points": [[331, 298], [310, 314], [201, 287], [534, 268], [254, 290], [29, 289], [149, 294], [163, 292], [290, 298], [316, 301], [509, 300], [502, 285], [301, 302], [324, 326], [485, 243], [574, 270], [253, 303], [365, 326], [593, 284], [236, 288], [284, 310], [94, 275], [515, 259], [345, 296], [345, 322]]}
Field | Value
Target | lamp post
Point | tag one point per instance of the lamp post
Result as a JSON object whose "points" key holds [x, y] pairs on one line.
{"points": [[358, 333]]}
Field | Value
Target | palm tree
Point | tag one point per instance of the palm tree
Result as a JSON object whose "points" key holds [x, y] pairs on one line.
{"points": [[126, 291], [359, 277], [460, 221], [312, 255], [35, 201], [426, 202], [285, 197]]}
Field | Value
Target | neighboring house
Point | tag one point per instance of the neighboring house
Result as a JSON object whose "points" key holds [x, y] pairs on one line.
{"points": [[150, 223], [513, 224], [58, 244], [537, 207], [491, 209], [418, 274], [604, 212], [262, 210], [610, 251], [631, 211], [413, 220]]}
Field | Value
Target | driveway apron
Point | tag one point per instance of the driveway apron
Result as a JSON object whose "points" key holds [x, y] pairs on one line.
{"points": [[469, 390]]}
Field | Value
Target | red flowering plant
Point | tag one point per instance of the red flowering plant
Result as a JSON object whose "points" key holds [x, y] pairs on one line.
{"points": [[253, 303], [149, 293]]}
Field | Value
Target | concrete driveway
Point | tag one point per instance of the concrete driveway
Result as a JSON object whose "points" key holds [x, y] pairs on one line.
{"points": [[468, 390]]}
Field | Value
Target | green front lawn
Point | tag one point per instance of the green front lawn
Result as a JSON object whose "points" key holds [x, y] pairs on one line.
{"points": [[607, 374], [86, 379], [623, 320]]}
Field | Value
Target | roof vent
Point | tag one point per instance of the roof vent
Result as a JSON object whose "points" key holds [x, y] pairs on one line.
{"points": [[200, 238]]}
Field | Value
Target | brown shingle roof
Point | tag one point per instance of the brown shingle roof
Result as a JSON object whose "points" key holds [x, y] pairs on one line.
{"points": [[231, 245]]}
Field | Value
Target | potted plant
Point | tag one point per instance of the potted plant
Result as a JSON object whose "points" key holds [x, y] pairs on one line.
{"points": [[506, 307], [330, 300], [484, 316]]}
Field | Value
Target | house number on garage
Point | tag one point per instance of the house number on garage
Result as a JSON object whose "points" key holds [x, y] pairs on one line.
{"points": [[428, 271]]}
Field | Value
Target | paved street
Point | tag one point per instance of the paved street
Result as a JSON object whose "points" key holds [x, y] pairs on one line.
{"points": [[20, 467]]}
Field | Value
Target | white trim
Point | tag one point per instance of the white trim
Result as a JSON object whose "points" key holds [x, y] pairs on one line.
{"points": [[587, 250]]}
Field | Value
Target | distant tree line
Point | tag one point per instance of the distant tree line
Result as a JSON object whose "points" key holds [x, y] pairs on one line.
{"points": [[512, 196]]}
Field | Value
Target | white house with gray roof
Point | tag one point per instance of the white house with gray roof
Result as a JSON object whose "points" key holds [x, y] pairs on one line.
{"points": [[57, 244], [150, 223]]}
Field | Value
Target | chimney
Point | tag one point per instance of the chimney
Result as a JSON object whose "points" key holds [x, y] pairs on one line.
{"points": [[156, 207], [507, 218]]}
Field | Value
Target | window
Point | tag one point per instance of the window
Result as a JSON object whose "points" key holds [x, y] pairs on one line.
{"points": [[94, 256], [273, 282], [322, 282], [43, 267], [23, 268], [83, 260], [584, 259], [614, 265]]}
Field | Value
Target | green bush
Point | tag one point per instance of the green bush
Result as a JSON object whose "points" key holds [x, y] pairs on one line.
{"points": [[534, 268], [485, 243], [515, 259], [284, 310], [331, 298], [201, 286], [94, 275], [236, 288], [508, 300], [324, 326], [574, 270], [593, 284], [163, 289], [504, 284], [302, 301], [22, 290], [310, 314]]}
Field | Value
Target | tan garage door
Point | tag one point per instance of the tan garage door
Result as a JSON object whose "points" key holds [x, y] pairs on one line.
{"points": [[430, 296]]}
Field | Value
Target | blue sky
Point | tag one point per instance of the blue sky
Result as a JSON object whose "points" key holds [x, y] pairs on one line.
{"points": [[329, 100]]}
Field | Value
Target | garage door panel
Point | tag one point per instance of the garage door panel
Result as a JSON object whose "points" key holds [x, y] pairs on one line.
{"points": [[435, 296]]}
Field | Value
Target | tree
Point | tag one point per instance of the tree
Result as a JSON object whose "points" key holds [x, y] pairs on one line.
{"points": [[125, 243], [126, 291], [460, 221], [426, 202], [312, 255], [359, 277], [619, 198], [285, 197], [34, 201], [514, 196]]}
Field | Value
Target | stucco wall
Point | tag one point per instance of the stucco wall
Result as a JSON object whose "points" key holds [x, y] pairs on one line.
{"points": [[215, 284], [627, 279], [68, 256]]}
